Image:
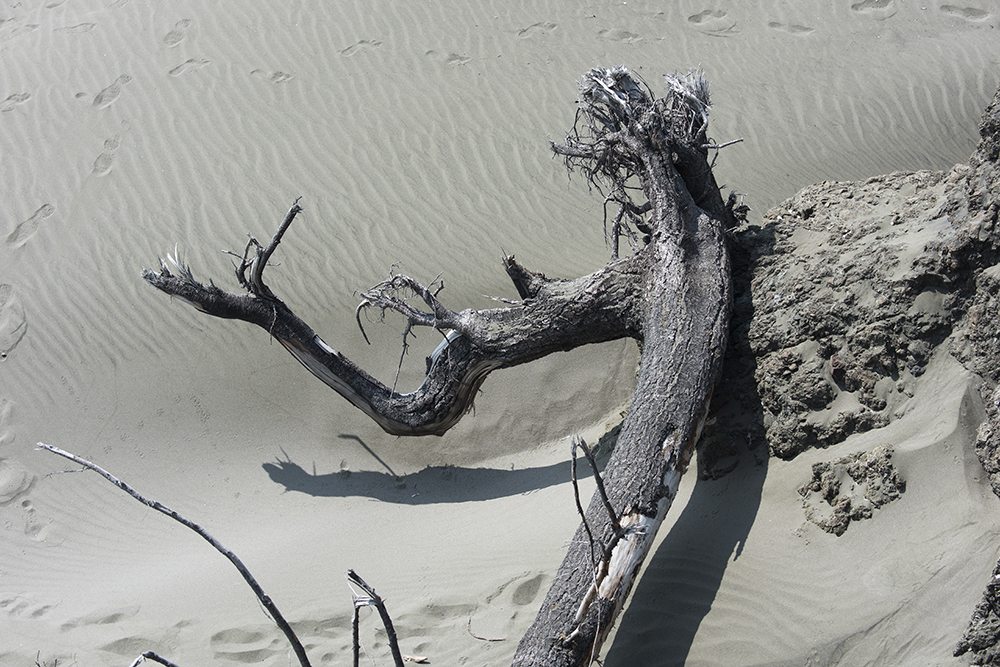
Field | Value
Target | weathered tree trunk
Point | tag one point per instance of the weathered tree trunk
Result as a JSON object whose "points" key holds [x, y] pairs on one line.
{"points": [[671, 293]]}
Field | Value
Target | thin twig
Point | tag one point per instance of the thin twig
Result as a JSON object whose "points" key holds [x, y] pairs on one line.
{"points": [[579, 442], [716, 147], [579, 506], [468, 628], [279, 620], [406, 346], [149, 655], [263, 255], [372, 599], [355, 628]]}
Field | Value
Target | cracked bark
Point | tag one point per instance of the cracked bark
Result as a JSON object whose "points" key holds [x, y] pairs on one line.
{"points": [[672, 293]]}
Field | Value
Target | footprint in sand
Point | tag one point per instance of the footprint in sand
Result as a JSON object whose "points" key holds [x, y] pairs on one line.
{"points": [[23, 606], [111, 93], [454, 59], [13, 324], [247, 646], [879, 10], [273, 77], [616, 35], [104, 161], [15, 481], [6, 422], [967, 13], [536, 29], [358, 46], [189, 65], [25, 230], [101, 618], [176, 36], [14, 100], [16, 32], [791, 28], [527, 591], [78, 29], [713, 22], [36, 526]]}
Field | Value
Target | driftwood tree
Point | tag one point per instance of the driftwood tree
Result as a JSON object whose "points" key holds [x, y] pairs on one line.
{"points": [[670, 291]]}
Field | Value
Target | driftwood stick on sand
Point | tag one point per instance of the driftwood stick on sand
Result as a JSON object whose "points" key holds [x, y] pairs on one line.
{"points": [[265, 600], [371, 599], [150, 655]]}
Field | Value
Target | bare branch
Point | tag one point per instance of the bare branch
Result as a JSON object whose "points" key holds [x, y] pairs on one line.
{"points": [[150, 655], [372, 599], [579, 442], [256, 264], [265, 600], [715, 146]]}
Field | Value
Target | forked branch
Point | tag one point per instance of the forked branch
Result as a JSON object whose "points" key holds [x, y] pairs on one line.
{"points": [[371, 599], [588, 310]]}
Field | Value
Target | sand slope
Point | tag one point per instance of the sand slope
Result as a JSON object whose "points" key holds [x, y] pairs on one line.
{"points": [[416, 133]]}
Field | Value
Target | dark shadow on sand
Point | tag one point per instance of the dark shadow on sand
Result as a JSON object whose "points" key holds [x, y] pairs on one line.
{"points": [[678, 588], [683, 576], [435, 484]]}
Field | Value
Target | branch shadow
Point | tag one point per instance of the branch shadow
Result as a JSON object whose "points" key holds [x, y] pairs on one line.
{"points": [[434, 484], [683, 576]]}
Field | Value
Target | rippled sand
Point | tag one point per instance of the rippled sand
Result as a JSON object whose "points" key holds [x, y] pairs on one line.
{"points": [[416, 134]]}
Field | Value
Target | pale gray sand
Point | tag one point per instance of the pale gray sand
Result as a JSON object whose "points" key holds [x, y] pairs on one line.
{"points": [[415, 133]]}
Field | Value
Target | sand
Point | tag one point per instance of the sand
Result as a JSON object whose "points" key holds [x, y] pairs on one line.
{"points": [[417, 133]]}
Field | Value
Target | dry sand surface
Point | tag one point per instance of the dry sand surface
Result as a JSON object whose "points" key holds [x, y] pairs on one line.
{"points": [[416, 133]]}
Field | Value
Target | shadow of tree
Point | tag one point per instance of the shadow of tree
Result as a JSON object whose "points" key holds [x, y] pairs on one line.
{"points": [[685, 573], [434, 484]]}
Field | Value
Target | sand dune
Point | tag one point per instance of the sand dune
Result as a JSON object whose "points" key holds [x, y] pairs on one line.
{"points": [[417, 133]]}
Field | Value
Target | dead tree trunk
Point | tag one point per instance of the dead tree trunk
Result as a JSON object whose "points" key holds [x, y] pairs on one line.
{"points": [[671, 293]]}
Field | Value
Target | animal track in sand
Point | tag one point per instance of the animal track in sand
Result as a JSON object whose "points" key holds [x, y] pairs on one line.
{"points": [[176, 36], [543, 28], [879, 10], [273, 77], [25, 230], [713, 22], [791, 28], [358, 46], [14, 100], [967, 13], [189, 65], [111, 93]]}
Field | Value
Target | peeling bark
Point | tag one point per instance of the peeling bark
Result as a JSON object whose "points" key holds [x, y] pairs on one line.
{"points": [[672, 293]]}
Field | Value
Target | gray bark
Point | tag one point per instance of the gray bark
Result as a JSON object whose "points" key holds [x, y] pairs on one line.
{"points": [[672, 293]]}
